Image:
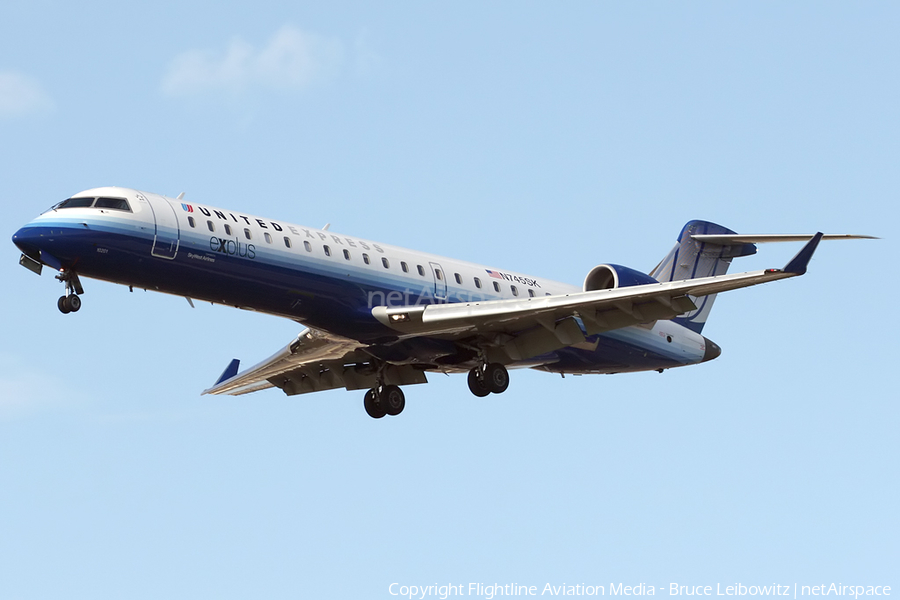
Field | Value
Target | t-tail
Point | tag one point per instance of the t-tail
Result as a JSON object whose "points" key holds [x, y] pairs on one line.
{"points": [[692, 258], [705, 249]]}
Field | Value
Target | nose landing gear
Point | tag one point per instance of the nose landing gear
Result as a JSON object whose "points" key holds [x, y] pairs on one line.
{"points": [[71, 301], [67, 304]]}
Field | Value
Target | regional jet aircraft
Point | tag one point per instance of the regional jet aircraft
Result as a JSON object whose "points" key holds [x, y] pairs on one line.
{"points": [[378, 317]]}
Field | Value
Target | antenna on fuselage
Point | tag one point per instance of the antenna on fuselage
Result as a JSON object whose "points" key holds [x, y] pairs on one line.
{"points": [[327, 225], [180, 196]]}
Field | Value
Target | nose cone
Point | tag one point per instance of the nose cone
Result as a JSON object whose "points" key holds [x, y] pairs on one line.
{"points": [[712, 350], [26, 239]]}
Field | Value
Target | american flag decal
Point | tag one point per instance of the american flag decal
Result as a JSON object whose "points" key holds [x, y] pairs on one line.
{"points": [[494, 274]]}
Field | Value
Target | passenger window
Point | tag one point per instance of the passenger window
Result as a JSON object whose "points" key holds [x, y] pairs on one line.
{"points": [[247, 234], [227, 229], [439, 274], [514, 289], [287, 241], [268, 237], [421, 270], [458, 278], [478, 283], [385, 262], [531, 293], [191, 222], [366, 258], [496, 287], [211, 225], [113, 203], [404, 267], [347, 254], [308, 246], [327, 250]]}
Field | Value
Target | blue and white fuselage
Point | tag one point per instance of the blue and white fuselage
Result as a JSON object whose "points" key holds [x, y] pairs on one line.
{"points": [[384, 315]]}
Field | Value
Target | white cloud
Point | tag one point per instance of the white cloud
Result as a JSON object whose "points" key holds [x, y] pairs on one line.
{"points": [[21, 95], [292, 59]]}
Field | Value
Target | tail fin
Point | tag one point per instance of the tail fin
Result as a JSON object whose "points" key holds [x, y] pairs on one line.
{"points": [[691, 258]]}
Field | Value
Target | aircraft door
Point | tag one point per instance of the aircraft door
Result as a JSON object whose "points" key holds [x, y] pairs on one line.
{"points": [[167, 237], [440, 281]]}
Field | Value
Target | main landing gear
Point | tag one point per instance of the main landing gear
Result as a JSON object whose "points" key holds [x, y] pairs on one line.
{"points": [[71, 302], [490, 379], [384, 400]]}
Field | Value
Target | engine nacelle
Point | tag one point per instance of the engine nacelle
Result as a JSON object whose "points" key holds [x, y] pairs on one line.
{"points": [[609, 277]]}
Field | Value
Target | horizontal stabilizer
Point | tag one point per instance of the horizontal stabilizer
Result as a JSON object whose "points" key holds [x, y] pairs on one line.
{"points": [[725, 240]]}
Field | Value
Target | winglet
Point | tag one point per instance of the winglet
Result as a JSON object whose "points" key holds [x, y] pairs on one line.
{"points": [[798, 264], [229, 372]]}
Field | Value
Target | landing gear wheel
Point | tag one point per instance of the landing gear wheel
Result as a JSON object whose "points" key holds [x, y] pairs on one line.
{"points": [[374, 408], [496, 378], [393, 400], [70, 302], [73, 302], [477, 384]]}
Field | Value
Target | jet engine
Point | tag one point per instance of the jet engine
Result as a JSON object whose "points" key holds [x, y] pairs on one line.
{"points": [[609, 277]]}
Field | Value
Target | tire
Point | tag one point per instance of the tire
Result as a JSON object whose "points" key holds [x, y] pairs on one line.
{"points": [[73, 302], [393, 400], [477, 385], [373, 408], [496, 378], [63, 306]]}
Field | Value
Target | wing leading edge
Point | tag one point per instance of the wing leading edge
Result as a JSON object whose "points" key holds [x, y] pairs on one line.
{"points": [[315, 361], [600, 310], [310, 347]]}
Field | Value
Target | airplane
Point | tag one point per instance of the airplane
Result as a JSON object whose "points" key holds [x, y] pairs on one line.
{"points": [[378, 317]]}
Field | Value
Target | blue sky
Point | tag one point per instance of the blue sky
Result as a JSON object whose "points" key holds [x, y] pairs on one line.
{"points": [[527, 136]]}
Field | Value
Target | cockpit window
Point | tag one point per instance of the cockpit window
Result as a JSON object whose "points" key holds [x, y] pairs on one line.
{"points": [[105, 203], [113, 203], [75, 203]]}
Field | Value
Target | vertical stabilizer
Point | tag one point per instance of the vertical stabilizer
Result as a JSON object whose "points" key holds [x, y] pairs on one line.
{"points": [[691, 258]]}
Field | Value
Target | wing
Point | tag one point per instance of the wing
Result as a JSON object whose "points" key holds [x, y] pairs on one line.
{"points": [[313, 362], [533, 326], [517, 330]]}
